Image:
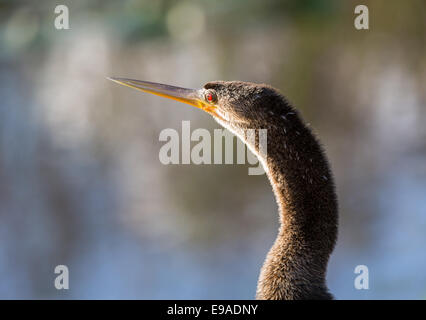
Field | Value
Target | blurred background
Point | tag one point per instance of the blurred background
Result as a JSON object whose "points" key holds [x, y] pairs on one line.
{"points": [[81, 183]]}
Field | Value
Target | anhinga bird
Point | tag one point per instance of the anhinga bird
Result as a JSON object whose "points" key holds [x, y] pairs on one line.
{"points": [[295, 267]]}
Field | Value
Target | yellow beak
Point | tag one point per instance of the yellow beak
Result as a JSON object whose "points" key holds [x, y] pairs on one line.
{"points": [[189, 96]]}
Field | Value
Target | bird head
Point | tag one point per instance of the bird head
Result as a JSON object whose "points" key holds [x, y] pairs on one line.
{"points": [[236, 105]]}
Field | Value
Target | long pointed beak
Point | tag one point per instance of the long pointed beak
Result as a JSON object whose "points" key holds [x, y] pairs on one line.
{"points": [[189, 96]]}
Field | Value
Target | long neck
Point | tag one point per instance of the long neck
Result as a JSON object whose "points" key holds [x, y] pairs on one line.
{"points": [[295, 267]]}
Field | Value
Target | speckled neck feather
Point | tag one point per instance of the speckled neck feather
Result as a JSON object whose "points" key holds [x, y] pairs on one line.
{"points": [[295, 267]]}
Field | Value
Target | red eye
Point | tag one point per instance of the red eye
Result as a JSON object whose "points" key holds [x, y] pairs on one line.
{"points": [[210, 96]]}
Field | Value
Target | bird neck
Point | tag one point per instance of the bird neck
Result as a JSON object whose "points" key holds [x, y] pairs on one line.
{"points": [[295, 267]]}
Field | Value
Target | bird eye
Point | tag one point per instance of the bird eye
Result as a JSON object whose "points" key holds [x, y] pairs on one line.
{"points": [[210, 96]]}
